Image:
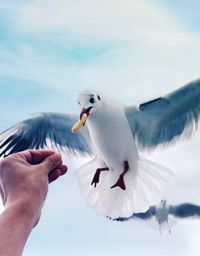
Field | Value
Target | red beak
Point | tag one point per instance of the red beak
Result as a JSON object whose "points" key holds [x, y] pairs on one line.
{"points": [[85, 111]]}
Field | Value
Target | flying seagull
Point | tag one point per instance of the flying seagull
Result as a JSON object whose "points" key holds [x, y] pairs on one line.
{"points": [[162, 213], [117, 181]]}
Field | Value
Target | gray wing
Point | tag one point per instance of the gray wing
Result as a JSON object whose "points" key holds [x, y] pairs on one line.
{"points": [[34, 133], [185, 210], [166, 119], [143, 215]]}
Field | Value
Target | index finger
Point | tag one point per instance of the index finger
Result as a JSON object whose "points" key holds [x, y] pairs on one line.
{"points": [[35, 156]]}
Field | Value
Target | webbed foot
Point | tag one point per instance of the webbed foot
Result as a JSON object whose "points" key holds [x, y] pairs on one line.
{"points": [[120, 183], [96, 177]]}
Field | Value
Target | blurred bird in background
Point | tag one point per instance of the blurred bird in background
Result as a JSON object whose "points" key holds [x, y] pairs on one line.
{"points": [[166, 215]]}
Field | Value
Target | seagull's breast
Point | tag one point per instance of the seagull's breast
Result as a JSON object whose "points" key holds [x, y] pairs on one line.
{"points": [[112, 137], [161, 214]]}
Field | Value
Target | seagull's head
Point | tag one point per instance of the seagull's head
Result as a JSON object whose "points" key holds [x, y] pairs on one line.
{"points": [[163, 202], [90, 102]]}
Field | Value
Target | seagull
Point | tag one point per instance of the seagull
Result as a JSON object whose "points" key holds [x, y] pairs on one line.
{"points": [[162, 213], [117, 181]]}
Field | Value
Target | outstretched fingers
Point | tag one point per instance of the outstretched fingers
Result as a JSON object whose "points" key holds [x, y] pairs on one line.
{"points": [[53, 175], [49, 161], [35, 156]]}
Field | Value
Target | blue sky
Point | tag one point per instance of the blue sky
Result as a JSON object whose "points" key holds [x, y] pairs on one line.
{"points": [[132, 50]]}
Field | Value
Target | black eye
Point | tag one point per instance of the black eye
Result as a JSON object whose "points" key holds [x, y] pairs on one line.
{"points": [[98, 97], [92, 100]]}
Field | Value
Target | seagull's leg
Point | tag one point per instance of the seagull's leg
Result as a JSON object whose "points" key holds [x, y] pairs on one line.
{"points": [[169, 227], [120, 182], [159, 223], [97, 175]]}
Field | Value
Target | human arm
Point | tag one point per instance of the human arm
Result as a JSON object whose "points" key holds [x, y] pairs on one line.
{"points": [[24, 179]]}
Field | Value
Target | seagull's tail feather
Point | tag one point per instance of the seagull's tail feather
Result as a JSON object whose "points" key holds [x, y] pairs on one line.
{"points": [[144, 187]]}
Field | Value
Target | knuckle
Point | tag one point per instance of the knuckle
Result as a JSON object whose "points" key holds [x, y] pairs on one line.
{"points": [[51, 162], [5, 163]]}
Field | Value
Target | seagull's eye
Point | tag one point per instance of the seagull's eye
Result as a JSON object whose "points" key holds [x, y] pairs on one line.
{"points": [[92, 100], [79, 103], [98, 97]]}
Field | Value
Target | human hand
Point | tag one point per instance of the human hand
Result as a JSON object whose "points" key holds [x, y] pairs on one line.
{"points": [[24, 179]]}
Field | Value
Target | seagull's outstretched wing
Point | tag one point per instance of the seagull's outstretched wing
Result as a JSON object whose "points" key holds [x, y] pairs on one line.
{"points": [[34, 133], [185, 210], [143, 215], [166, 119]]}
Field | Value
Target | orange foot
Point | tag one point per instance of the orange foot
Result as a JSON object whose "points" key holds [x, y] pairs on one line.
{"points": [[96, 177], [120, 183]]}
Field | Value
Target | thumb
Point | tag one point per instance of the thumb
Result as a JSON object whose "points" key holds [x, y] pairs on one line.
{"points": [[51, 162]]}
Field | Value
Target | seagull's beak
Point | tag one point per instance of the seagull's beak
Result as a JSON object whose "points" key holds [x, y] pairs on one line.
{"points": [[85, 111], [83, 117]]}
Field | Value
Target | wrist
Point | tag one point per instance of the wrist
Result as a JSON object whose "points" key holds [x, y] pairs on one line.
{"points": [[15, 226], [21, 211]]}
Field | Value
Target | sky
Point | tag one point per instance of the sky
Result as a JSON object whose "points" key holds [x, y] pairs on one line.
{"points": [[131, 50]]}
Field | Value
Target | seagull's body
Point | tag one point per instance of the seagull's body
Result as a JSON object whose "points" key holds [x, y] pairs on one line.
{"points": [[128, 183], [112, 138], [117, 182], [162, 216], [161, 213]]}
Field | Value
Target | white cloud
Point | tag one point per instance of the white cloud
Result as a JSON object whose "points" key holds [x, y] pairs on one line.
{"points": [[148, 46], [104, 20]]}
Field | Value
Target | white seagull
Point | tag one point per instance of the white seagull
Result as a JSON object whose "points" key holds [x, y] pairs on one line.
{"points": [[117, 182], [165, 215]]}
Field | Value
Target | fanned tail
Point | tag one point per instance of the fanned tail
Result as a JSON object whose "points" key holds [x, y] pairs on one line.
{"points": [[144, 188]]}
